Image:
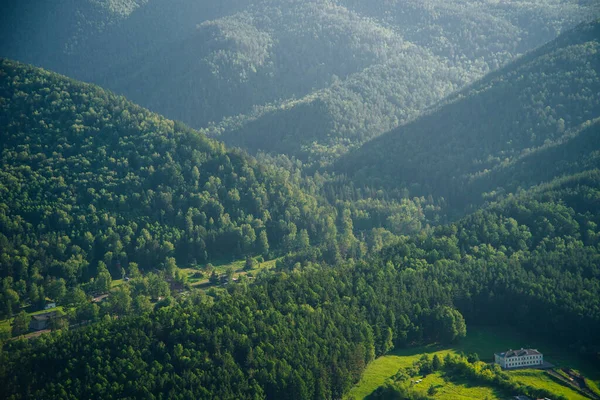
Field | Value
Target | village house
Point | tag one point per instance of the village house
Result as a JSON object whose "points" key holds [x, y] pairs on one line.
{"points": [[519, 358], [40, 322]]}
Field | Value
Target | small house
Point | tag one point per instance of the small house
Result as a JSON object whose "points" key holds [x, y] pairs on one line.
{"points": [[40, 322]]}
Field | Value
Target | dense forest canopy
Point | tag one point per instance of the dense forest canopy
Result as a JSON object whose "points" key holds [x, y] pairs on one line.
{"points": [[505, 131], [88, 179], [415, 168], [442, 46], [531, 261], [311, 79]]}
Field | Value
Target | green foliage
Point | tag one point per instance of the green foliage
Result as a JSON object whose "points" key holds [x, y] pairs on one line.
{"points": [[249, 264], [312, 332], [451, 324], [91, 183], [20, 323], [432, 390], [94, 187], [457, 369], [436, 363], [529, 122], [243, 331], [311, 79]]}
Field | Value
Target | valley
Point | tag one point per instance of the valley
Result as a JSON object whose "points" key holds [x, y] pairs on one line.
{"points": [[323, 199]]}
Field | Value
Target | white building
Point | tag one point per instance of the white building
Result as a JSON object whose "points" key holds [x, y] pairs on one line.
{"points": [[519, 358]]}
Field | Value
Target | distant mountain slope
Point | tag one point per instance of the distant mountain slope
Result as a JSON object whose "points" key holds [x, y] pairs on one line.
{"points": [[445, 46], [325, 124], [308, 78], [496, 133], [487, 30], [87, 177], [83, 38], [266, 52]]}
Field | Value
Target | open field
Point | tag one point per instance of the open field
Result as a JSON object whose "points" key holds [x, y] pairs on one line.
{"points": [[540, 379], [481, 340], [60, 309], [222, 267], [456, 390], [116, 282]]}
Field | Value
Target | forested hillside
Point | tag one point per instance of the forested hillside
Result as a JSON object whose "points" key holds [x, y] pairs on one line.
{"points": [[90, 182], [82, 38], [365, 176], [530, 262], [444, 45], [308, 78], [532, 120]]}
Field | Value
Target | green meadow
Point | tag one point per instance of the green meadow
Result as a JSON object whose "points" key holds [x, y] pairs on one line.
{"points": [[223, 266], [540, 379], [484, 341]]}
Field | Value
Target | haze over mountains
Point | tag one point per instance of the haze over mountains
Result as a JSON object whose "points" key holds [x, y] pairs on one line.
{"points": [[526, 123], [311, 79], [405, 169]]}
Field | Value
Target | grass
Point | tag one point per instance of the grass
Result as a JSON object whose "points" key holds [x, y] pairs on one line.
{"points": [[60, 309], [456, 389], [593, 386], [116, 282], [378, 371], [481, 340], [540, 379], [222, 267]]}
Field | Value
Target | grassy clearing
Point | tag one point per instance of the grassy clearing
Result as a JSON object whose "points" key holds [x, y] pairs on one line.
{"points": [[481, 340], [385, 367], [456, 390], [222, 267], [116, 282], [593, 386], [540, 379], [60, 310]]}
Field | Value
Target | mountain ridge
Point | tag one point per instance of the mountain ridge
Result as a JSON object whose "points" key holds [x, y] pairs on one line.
{"points": [[528, 104]]}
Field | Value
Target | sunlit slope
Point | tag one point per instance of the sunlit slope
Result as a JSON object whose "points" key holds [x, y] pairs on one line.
{"points": [[532, 120], [88, 176], [310, 79]]}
